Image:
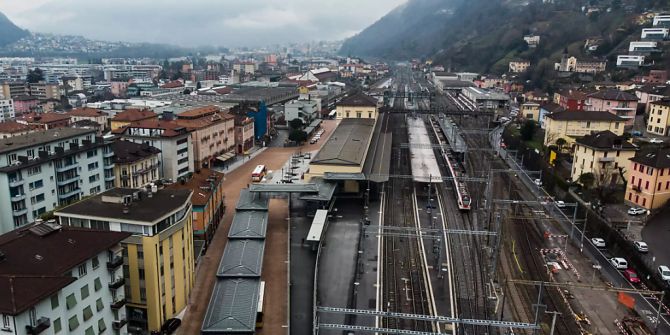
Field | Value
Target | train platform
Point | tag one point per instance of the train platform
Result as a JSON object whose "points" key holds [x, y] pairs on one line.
{"points": [[424, 164]]}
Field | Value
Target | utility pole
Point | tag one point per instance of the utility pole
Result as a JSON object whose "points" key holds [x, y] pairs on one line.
{"points": [[553, 321]]}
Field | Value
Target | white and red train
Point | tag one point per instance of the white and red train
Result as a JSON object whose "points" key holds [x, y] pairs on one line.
{"points": [[462, 194]]}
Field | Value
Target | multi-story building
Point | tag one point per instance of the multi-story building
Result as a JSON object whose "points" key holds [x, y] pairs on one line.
{"points": [[89, 114], [212, 133], [159, 260], [11, 89], [569, 125], [25, 104], [649, 178], [642, 47], [245, 67], [59, 280], [305, 110], [208, 202], [135, 165], [605, 155], [572, 64], [622, 104], [44, 90], [173, 140], [12, 128], [42, 121], [629, 60], [7, 109], [358, 106], [530, 111], [519, 66], [661, 21], [654, 33], [658, 121], [570, 99], [651, 93], [244, 133], [131, 115], [43, 170]]}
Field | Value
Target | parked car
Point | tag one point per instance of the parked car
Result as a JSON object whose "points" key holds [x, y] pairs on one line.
{"points": [[631, 276], [598, 242], [664, 272], [538, 182], [655, 140], [621, 263], [560, 204], [636, 133], [641, 246], [636, 211]]}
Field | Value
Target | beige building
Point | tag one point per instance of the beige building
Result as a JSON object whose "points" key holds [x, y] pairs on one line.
{"points": [[530, 111], [519, 66], [359, 106], [604, 154], [570, 125], [649, 178], [212, 133], [90, 114], [135, 165], [45, 91], [658, 121]]}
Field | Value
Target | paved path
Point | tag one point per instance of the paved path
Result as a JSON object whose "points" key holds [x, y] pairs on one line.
{"points": [[234, 181]]}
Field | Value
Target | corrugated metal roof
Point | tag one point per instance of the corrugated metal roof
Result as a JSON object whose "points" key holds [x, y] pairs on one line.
{"points": [[252, 201], [348, 143], [249, 224], [284, 188], [242, 258], [233, 307], [326, 191]]}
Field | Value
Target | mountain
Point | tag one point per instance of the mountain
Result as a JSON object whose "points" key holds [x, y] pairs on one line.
{"points": [[9, 32]]}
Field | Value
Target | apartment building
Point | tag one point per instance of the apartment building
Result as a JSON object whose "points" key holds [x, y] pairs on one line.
{"points": [[570, 99], [305, 110], [654, 33], [89, 114], [44, 90], [58, 280], [135, 165], [129, 116], [570, 125], [530, 111], [43, 121], [629, 60], [12, 89], [244, 134], [46, 169], [359, 106], [658, 121], [622, 104], [519, 66], [212, 133], [159, 258], [649, 182], [12, 128], [7, 109], [605, 155]]}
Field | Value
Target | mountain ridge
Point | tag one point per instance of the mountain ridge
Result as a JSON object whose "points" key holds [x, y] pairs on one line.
{"points": [[9, 32]]}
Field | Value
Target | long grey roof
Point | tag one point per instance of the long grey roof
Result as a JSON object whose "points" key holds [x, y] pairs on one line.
{"points": [[252, 201], [34, 139], [378, 160], [242, 258], [348, 143], [233, 307], [249, 224]]}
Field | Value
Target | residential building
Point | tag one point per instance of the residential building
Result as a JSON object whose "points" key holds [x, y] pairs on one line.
{"points": [[90, 114], [622, 104], [658, 121], [605, 155], [212, 133], [570, 125], [244, 133], [7, 109], [570, 99], [25, 104], [12, 89], [135, 165], [530, 111], [173, 140], [44, 90], [661, 21], [305, 110], [59, 280], [360, 106], [40, 121], [519, 66], [159, 258], [43, 170], [532, 40], [572, 64], [642, 47], [629, 60], [484, 98], [649, 178], [245, 67], [131, 115], [207, 200], [650, 93], [654, 33], [12, 128]]}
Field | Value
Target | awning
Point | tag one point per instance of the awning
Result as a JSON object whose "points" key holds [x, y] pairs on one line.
{"points": [[226, 156]]}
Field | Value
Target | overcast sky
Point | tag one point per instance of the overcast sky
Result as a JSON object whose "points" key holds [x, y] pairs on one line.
{"points": [[199, 22]]}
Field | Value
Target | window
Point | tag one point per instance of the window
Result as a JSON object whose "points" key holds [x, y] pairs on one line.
{"points": [[94, 190], [70, 301], [91, 153], [32, 315], [358, 114], [88, 313], [92, 166], [588, 124], [84, 292], [182, 151], [54, 301], [5, 321], [57, 326], [94, 178], [73, 323], [182, 141], [34, 170], [97, 284], [36, 184], [646, 185], [101, 325], [141, 274], [182, 161], [37, 199], [99, 305], [95, 262], [82, 270]]}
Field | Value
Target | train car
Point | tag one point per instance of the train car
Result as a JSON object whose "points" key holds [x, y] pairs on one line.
{"points": [[462, 195]]}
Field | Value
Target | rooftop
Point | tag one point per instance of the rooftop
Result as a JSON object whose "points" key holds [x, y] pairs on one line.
{"points": [[109, 205], [170, 128], [252, 201], [348, 144], [663, 102], [128, 152], [199, 112], [613, 94], [40, 137], [13, 127], [572, 115], [606, 140], [86, 112], [38, 260], [249, 224], [233, 307], [358, 100], [130, 115], [203, 183], [654, 157], [44, 118], [242, 258]]}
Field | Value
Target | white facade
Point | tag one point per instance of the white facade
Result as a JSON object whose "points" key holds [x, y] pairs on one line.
{"points": [[306, 110], [629, 60], [176, 155], [6, 110], [642, 46], [655, 33], [661, 20]]}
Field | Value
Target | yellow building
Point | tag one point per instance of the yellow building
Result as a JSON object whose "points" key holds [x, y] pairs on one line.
{"points": [[658, 120], [605, 155], [359, 106], [135, 165], [649, 181], [159, 263], [570, 125], [530, 111]]}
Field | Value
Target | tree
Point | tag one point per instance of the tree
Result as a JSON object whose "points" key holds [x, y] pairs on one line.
{"points": [[297, 135], [187, 91], [560, 142], [528, 130], [587, 179], [35, 76], [295, 123]]}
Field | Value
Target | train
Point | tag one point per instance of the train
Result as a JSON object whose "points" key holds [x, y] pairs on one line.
{"points": [[462, 195]]}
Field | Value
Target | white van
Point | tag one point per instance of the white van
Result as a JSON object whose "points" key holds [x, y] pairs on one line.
{"points": [[664, 272], [619, 263]]}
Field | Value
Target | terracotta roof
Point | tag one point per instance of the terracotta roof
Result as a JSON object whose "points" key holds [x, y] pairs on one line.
{"points": [[613, 94], [359, 99], [44, 118], [127, 152], [606, 140], [552, 107], [37, 265], [25, 98], [664, 102], [571, 115], [654, 157], [573, 94], [170, 128], [13, 127], [173, 84], [202, 183], [87, 112], [130, 115], [198, 112]]}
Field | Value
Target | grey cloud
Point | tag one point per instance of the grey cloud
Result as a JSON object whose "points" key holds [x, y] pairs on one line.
{"points": [[200, 22]]}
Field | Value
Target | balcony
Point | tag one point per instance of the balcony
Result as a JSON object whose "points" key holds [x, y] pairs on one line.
{"points": [[68, 194], [41, 325], [19, 212], [110, 177], [15, 182], [119, 324], [19, 197], [118, 303], [108, 154], [115, 262], [67, 167], [118, 282], [67, 181]]}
